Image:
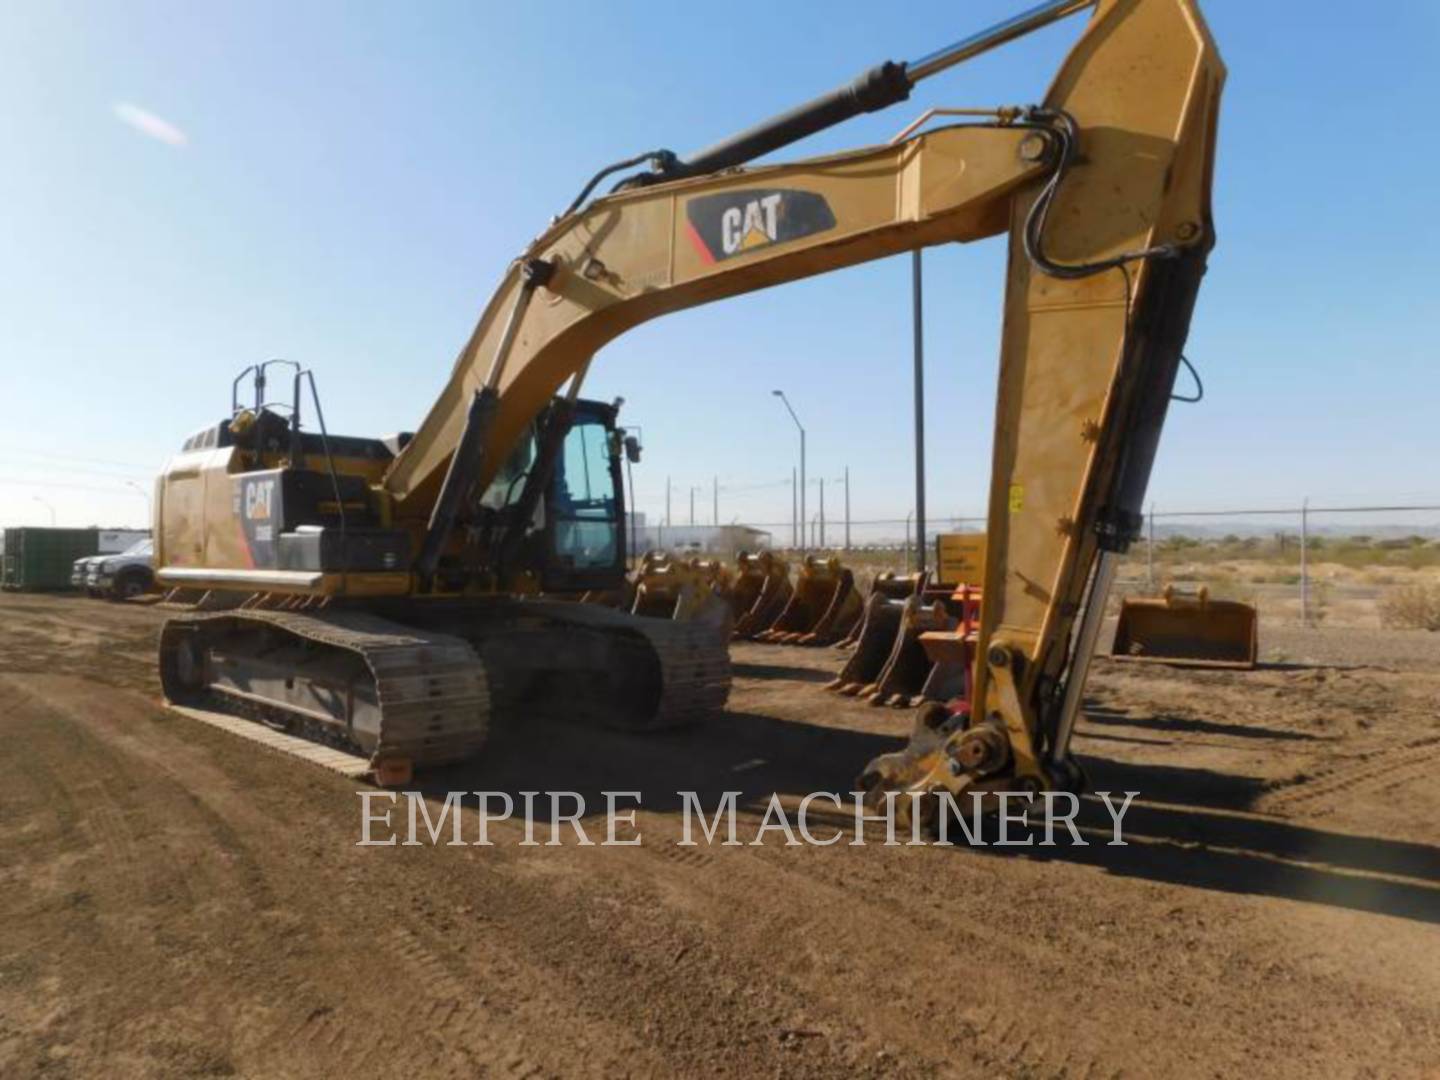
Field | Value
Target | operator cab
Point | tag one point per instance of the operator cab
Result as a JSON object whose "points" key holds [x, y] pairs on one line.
{"points": [[585, 507], [568, 530]]}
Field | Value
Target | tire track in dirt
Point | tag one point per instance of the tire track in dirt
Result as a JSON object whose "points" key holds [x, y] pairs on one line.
{"points": [[455, 1016], [147, 846], [131, 794], [635, 965], [346, 1032], [1372, 770], [982, 1037]]}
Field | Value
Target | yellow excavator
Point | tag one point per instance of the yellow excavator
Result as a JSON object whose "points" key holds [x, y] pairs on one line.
{"points": [[392, 594]]}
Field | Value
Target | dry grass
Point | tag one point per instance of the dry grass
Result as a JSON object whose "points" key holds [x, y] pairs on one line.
{"points": [[1411, 607]]}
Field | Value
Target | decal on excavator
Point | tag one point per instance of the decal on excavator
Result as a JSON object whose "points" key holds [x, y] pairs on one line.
{"points": [[736, 222], [259, 503]]}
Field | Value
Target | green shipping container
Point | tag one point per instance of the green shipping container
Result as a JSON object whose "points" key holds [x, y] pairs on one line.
{"points": [[42, 558]]}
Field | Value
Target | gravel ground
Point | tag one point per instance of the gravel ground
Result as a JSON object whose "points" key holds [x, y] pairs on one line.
{"points": [[176, 902]]}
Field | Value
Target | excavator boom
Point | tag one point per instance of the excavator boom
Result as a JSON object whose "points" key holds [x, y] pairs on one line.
{"points": [[1105, 192]]}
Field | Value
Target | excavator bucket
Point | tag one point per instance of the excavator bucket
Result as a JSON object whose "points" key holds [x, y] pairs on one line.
{"points": [[1187, 630], [952, 652], [840, 617], [692, 590], [822, 608], [903, 680], [760, 592], [912, 643], [873, 638]]}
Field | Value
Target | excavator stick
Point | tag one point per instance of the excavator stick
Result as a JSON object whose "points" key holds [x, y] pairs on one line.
{"points": [[1098, 302], [761, 591], [1187, 631]]}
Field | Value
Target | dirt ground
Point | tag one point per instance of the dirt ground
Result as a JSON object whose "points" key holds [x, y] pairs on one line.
{"points": [[175, 901]]}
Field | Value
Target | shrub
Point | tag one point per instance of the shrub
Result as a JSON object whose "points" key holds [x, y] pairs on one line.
{"points": [[1411, 607]]}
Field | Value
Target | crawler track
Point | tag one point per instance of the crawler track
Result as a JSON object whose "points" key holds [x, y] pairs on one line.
{"points": [[391, 690], [426, 686]]}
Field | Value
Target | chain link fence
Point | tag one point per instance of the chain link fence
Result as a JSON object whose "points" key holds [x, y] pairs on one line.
{"points": [[1359, 565]]}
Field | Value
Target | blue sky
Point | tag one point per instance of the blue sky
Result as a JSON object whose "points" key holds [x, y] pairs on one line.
{"points": [[343, 184]]}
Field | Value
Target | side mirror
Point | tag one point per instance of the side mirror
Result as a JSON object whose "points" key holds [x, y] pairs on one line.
{"points": [[632, 449]]}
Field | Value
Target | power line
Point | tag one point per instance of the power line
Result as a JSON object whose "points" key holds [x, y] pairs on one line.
{"points": [[47, 455], [14, 482], [134, 475]]}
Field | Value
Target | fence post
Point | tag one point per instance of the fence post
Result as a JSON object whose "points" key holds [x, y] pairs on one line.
{"points": [[1150, 553], [1305, 562]]}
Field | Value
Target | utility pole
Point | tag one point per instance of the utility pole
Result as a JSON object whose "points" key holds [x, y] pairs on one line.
{"points": [[847, 507], [919, 411], [692, 507], [794, 513], [822, 512], [801, 428], [715, 493]]}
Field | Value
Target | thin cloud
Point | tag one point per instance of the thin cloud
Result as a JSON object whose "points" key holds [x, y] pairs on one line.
{"points": [[147, 123]]}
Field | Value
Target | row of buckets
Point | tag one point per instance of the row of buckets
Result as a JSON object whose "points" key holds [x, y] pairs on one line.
{"points": [[908, 638], [905, 641]]}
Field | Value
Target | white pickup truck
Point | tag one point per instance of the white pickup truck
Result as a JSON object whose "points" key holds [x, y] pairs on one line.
{"points": [[118, 576]]}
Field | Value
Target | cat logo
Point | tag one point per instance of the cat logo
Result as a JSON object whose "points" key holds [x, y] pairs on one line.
{"points": [[739, 222], [258, 496], [756, 226]]}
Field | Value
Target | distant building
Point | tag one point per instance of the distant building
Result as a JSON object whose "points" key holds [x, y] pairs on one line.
{"points": [[707, 539]]}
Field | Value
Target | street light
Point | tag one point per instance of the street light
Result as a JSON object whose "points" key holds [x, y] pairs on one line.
{"points": [[149, 511], [47, 506], [800, 427]]}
